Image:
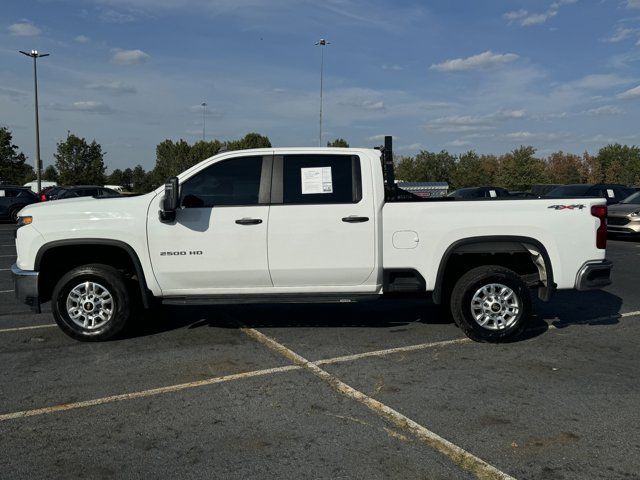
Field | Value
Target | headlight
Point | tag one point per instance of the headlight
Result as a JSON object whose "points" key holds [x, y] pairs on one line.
{"points": [[22, 221], [634, 214]]}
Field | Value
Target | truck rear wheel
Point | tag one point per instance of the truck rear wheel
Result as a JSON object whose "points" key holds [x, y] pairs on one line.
{"points": [[91, 303], [491, 304]]}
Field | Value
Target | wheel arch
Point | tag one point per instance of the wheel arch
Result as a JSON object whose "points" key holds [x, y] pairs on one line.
{"points": [[47, 248], [492, 244]]}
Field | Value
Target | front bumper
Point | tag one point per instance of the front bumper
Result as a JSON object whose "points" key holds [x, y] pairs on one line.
{"points": [[594, 274], [25, 283], [623, 225]]}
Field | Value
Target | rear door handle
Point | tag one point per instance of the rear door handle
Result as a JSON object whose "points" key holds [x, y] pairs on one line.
{"points": [[355, 219], [249, 221]]}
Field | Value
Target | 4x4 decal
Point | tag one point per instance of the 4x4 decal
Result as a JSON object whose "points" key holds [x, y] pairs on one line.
{"points": [[567, 207]]}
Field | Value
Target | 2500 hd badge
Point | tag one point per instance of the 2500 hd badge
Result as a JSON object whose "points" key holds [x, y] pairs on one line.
{"points": [[180, 253]]}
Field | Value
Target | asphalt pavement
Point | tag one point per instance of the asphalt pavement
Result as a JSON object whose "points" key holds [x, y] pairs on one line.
{"points": [[375, 390]]}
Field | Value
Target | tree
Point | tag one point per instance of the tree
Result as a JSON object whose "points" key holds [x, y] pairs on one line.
{"points": [[50, 174], [565, 168], [618, 164], [115, 178], [520, 169], [141, 180], [13, 166], [426, 167], [338, 142], [473, 170], [79, 162], [250, 140], [127, 178]]}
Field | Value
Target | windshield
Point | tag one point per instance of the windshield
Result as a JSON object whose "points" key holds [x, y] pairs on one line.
{"points": [[632, 199], [569, 191]]}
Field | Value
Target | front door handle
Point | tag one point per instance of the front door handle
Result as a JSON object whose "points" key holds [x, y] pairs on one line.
{"points": [[355, 219], [249, 221]]}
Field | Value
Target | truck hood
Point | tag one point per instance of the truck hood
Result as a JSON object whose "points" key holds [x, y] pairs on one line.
{"points": [[624, 208], [86, 207]]}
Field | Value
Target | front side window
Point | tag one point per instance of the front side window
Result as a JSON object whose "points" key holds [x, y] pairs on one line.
{"points": [[230, 182], [316, 179]]}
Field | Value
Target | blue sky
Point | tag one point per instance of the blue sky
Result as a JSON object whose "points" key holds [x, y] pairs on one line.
{"points": [[456, 75]]}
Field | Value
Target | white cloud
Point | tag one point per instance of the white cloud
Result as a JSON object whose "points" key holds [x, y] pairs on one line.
{"points": [[113, 16], [380, 137], [605, 110], [24, 29], [629, 94], [519, 135], [470, 123], [524, 18], [475, 62], [598, 81], [458, 143], [409, 148], [129, 57], [620, 34], [81, 39], [89, 106], [112, 86]]}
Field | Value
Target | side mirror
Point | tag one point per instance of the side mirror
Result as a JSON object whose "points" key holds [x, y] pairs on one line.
{"points": [[170, 201]]}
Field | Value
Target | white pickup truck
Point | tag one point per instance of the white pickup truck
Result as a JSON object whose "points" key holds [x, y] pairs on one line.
{"points": [[304, 225]]}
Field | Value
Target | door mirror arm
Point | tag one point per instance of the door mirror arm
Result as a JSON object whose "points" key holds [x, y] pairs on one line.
{"points": [[171, 201]]}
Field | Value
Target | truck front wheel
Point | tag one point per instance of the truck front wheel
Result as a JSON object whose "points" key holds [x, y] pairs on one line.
{"points": [[491, 304], [91, 303]]}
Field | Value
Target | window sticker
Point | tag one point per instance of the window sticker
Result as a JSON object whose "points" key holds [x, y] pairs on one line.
{"points": [[2, 194], [316, 180], [610, 193], [493, 193]]}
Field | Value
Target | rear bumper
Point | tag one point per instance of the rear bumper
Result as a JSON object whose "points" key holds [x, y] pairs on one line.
{"points": [[594, 274], [25, 283]]}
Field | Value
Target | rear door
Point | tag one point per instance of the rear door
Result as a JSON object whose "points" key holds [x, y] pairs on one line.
{"points": [[322, 221]]}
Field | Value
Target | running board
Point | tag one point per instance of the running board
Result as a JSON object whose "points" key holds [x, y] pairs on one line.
{"points": [[268, 298]]}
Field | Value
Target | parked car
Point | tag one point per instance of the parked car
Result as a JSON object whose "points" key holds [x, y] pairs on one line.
{"points": [[85, 191], [43, 184], [303, 225], [613, 193], [521, 194], [624, 218], [13, 199], [49, 193], [471, 193]]}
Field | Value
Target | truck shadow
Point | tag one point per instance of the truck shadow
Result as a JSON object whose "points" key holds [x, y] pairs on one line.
{"points": [[569, 308]]}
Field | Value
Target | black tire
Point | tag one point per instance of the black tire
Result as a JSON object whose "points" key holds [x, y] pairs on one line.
{"points": [[13, 213], [501, 328], [115, 284]]}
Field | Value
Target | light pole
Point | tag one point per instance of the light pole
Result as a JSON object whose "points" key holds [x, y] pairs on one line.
{"points": [[35, 55], [204, 112], [321, 43]]}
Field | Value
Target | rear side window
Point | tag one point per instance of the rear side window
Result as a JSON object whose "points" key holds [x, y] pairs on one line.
{"points": [[230, 182], [313, 179]]}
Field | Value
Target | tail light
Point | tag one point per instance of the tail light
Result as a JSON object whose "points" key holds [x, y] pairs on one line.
{"points": [[600, 211], [43, 197]]}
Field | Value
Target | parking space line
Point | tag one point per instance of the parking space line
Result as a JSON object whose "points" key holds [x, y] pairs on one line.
{"points": [[32, 327], [388, 351], [458, 455], [6, 291], [145, 393]]}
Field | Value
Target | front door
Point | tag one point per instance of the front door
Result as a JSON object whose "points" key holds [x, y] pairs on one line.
{"points": [[218, 242]]}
